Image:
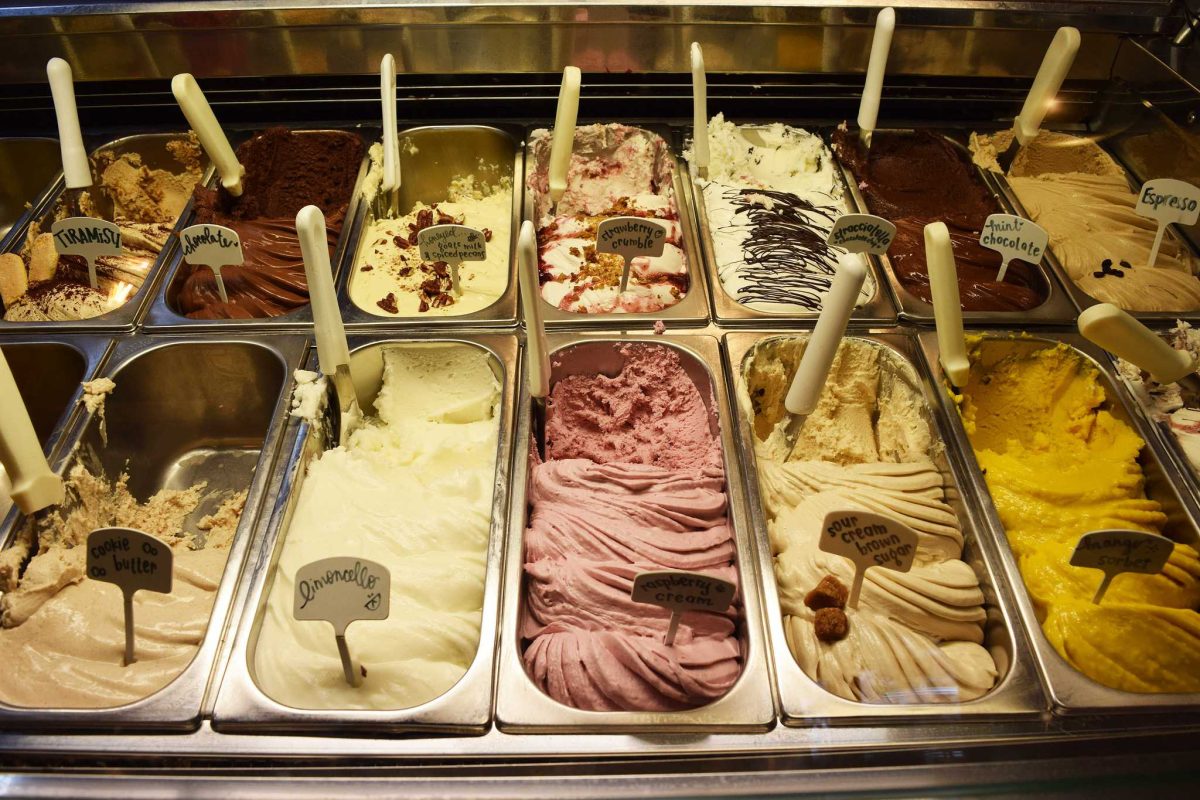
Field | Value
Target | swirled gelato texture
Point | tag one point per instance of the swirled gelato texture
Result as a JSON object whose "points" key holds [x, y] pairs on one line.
{"points": [[915, 637], [1058, 464], [1081, 196], [633, 481], [412, 490], [285, 171]]}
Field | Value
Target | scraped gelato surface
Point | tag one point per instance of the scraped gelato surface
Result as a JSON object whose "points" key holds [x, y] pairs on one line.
{"points": [[633, 480], [915, 637], [39, 285], [411, 489], [63, 634], [771, 197], [615, 171], [916, 178], [1165, 402], [1058, 464], [1081, 196], [285, 171], [392, 280]]}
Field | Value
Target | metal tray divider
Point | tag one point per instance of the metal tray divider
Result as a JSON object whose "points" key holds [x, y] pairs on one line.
{"points": [[691, 311], [521, 707], [160, 317], [177, 706], [1070, 692], [241, 706], [804, 702]]}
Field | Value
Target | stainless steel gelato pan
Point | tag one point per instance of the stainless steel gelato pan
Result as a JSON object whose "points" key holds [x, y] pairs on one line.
{"points": [[876, 310], [183, 450], [1069, 689], [691, 309], [933, 646], [134, 277], [280, 251], [28, 167], [438, 643], [521, 704], [466, 166]]}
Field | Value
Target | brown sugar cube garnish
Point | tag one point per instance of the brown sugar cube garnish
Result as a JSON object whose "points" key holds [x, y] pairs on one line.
{"points": [[831, 624], [830, 593]]}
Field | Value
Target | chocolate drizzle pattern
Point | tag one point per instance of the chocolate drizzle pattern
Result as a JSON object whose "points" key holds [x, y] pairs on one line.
{"points": [[785, 257]]}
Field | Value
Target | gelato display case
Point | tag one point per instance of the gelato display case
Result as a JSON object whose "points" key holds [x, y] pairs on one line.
{"points": [[606, 561]]}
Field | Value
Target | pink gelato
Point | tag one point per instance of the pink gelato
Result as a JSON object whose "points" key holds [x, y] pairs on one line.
{"points": [[633, 482], [615, 170]]}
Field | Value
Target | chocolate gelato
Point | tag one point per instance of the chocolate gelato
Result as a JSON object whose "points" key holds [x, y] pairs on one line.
{"points": [[916, 178], [285, 171]]}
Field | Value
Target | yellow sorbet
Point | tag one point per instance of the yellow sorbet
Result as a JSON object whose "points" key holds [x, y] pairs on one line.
{"points": [[1059, 464]]}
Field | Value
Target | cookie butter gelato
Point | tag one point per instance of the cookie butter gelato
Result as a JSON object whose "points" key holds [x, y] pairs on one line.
{"points": [[1058, 464], [63, 634], [1081, 196], [915, 637]]}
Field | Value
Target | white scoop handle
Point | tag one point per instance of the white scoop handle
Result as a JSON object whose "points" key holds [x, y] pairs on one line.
{"points": [[332, 349], [836, 309], [212, 138], [947, 306], [531, 306], [391, 137], [34, 486], [76, 169], [564, 132], [881, 45], [1055, 66], [699, 109], [1120, 334]]}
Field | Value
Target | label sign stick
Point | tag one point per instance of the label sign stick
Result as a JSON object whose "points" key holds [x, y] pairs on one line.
{"points": [[212, 246], [630, 238], [339, 591], [133, 561], [1117, 551], [861, 233], [679, 591], [868, 540], [89, 238], [1167, 201], [1013, 238], [452, 244]]}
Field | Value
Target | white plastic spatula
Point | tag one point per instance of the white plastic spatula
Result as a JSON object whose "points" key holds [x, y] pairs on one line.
{"points": [[333, 351], [563, 142], [212, 138], [76, 170], [836, 308], [1120, 334], [391, 136], [34, 486], [947, 307], [1055, 66], [535, 328], [699, 112], [881, 45]]}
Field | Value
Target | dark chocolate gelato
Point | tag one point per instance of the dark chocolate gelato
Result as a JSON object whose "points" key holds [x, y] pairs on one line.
{"points": [[916, 178], [285, 171]]}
